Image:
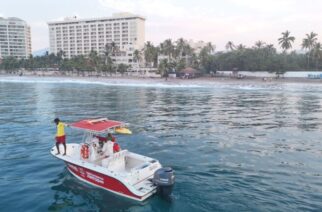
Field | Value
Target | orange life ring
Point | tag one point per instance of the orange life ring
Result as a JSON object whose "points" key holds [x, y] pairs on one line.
{"points": [[85, 151]]}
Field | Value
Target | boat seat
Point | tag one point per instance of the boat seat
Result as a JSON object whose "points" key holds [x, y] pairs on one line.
{"points": [[116, 161], [106, 162], [140, 166], [120, 154], [107, 148]]}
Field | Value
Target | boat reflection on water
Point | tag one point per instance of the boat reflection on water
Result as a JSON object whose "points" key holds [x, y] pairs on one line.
{"points": [[72, 194]]}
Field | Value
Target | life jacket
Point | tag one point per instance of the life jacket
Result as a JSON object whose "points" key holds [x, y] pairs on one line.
{"points": [[85, 151], [116, 147]]}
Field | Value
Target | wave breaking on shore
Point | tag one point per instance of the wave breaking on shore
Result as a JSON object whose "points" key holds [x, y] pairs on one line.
{"points": [[171, 83]]}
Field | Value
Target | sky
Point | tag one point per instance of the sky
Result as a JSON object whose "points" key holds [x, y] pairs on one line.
{"points": [[216, 21]]}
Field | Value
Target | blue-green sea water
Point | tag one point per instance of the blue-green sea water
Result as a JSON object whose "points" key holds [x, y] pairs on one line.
{"points": [[237, 147]]}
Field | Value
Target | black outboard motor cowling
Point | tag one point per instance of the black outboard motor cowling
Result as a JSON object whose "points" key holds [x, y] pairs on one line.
{"points": [[164, 180]]}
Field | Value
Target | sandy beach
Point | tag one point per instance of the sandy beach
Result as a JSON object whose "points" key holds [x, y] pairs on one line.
{"points": [[150, 81]]}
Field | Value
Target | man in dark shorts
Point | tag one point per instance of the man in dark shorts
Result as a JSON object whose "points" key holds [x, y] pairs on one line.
{"points": [[60, 135]]}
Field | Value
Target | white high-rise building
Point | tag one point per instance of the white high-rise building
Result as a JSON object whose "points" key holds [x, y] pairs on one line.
{"points": [[79, 36], [15, 39]]}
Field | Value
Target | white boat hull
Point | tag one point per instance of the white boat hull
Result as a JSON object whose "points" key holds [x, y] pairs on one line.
{"points": [[130, 182]]}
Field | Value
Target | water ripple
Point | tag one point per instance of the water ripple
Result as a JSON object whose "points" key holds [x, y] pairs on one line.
{"points": [[236, 147]]}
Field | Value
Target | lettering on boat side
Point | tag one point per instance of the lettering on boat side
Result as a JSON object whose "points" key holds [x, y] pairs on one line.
{"points": [[73, 167], [95, 177], [82, 172]]}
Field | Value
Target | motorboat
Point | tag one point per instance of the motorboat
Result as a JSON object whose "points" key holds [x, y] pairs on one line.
{"points": [[95, 161]]}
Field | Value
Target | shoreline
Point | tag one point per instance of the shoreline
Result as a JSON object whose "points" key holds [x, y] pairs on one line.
{"points": [[135, 80]]}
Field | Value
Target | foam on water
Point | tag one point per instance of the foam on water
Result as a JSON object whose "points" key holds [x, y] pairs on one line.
{"points": [[153, 83], [108, 82]]}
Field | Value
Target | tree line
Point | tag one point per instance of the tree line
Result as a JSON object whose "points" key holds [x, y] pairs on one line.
{"points": [[173, 56]]}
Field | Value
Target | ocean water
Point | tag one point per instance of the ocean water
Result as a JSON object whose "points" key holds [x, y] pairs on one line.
{"points": [[236, 147]]}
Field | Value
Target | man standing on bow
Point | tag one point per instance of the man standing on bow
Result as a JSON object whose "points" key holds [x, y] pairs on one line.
{"points": [[60, 135]]}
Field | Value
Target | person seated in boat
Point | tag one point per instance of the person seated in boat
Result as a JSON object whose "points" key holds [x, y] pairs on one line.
{"points": [[107, 144], [116, 146], [109, 137], [110, 146]]}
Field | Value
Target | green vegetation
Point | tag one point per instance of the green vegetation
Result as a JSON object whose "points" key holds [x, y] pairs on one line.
{"points": [[172, 56]]}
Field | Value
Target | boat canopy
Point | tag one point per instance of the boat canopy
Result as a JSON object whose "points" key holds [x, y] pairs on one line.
{"points": [[101, 125]]}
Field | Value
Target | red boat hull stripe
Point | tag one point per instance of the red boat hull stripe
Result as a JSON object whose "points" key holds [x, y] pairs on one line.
{"points": [[101, 180]]}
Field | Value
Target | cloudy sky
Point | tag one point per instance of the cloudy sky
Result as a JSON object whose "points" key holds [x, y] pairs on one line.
{"points": [[218, 21]]}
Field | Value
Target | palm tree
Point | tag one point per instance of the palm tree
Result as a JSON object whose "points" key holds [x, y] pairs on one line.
{"points": [[181, 43], [60, 57], [108, 62], [163, 67], [206, 57], [167, 48], [107, 52], [286, 41], [270, 49], [317, 53], [137, 57], [308, 43], [312, 38], [230, 46], [270, 46], [211, 48], [183, 52], [31, 62], [259, 44], [187, 53], [240, 47], [93, 59], [114, 48], [150, 53]]}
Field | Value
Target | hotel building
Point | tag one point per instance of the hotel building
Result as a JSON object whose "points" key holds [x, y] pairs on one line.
{"points": [[15, 39], [79, 36]]}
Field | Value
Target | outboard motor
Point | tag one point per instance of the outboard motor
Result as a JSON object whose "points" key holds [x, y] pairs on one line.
{"points": [[164, 180]]}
